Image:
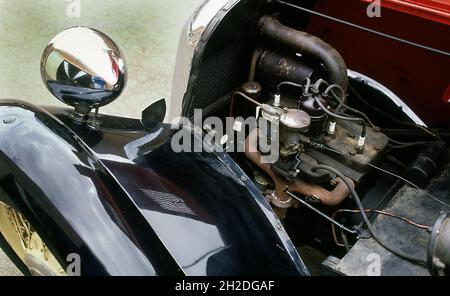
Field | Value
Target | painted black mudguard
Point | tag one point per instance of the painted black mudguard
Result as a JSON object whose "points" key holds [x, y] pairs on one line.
{"points": [[128, 205]]}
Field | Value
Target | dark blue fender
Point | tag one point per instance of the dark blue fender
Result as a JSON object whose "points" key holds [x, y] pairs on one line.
{"points": [[128, 205]]}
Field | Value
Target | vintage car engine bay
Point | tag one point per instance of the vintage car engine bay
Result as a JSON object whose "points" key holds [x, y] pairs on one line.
{"points": [[285, 149], [345, 186]]}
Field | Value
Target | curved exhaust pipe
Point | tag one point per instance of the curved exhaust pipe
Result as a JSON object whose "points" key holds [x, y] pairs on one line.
{"points": [[281, 199], [301, 42]]}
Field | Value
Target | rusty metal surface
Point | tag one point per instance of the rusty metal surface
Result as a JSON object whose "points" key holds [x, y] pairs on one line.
{"points": [[350, 163], [280, 198], [347, 134]]}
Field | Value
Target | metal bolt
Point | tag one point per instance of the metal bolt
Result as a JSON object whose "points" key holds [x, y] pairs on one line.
{"points": [[244, 178], [353, 152], [9, 120], [279, 226]]}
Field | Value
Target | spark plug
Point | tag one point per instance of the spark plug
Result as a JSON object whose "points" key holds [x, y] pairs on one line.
{"points": [[277, 100], [331, 128], [361, 144]]}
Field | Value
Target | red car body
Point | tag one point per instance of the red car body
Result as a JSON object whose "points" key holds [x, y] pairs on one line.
{"points": [[419, 76]]}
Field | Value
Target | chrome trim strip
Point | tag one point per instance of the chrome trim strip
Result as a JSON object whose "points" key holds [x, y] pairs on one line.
{"points": [[188, 43]]}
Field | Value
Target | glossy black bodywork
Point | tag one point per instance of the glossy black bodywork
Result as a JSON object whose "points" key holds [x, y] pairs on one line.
{"points": [[122, 199]]}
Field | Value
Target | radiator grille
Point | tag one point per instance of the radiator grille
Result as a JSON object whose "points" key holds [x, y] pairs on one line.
{"points": [[218, 75]]}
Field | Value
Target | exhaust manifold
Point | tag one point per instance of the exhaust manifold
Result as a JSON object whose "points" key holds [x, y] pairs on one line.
{"points": [[279, 198]]}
